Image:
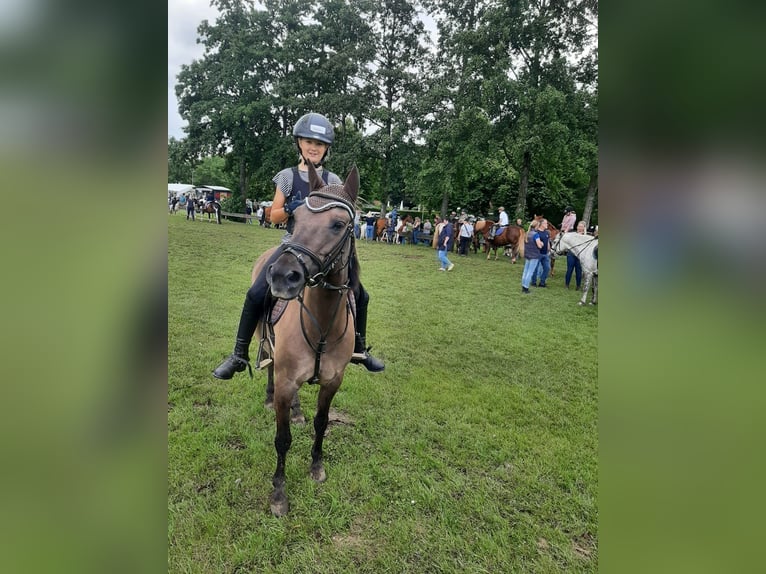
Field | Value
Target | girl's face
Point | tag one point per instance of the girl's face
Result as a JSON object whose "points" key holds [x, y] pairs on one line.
{"points": [[580, 228], [312, 150]]}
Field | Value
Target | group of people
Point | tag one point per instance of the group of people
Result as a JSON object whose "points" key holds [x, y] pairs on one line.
{"points": [[260, 213], [188, 202], [184, 201], [537, 256]]}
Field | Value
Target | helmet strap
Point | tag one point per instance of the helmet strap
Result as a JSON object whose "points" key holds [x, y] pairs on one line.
{"points": [[325, 157], [306, 162]]}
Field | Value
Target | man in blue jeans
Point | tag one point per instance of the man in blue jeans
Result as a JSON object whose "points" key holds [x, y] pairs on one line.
{"points": [[544, 266], [445, 244]]}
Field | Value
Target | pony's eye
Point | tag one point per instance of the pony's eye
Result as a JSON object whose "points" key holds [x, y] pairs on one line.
{"points": [[338, 225]]}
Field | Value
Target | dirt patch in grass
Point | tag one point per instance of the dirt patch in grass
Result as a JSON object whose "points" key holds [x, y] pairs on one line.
{"points": [[337, 418], [584, 545]]}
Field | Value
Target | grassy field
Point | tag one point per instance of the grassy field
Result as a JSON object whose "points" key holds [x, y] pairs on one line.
{"points": [[475, 451]]}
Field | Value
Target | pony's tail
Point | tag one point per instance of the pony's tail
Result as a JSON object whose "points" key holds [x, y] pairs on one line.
{"points": [[522, 241]]}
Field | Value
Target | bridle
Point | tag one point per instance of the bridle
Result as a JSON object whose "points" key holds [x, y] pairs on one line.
{"points": [[324, 267], [332, 261], [581, 246]]}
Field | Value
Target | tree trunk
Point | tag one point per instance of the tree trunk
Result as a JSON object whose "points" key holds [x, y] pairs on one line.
{"points": [[590, 200], [242, 179], [521, 203]]}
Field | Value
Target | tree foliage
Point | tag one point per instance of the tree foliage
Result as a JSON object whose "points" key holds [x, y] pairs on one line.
{"points": [[501, 110]]}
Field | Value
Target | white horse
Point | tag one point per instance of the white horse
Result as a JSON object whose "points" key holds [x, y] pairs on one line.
{"points": [[582, 247]]}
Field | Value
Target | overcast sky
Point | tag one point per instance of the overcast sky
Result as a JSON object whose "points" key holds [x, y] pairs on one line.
{"points": [[183, 18]]}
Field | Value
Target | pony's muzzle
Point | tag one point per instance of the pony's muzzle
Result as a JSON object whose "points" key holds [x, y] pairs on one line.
{"points": [[286, 280]]}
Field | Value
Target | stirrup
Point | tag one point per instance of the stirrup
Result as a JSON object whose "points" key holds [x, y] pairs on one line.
{"points": [[249, 368]]}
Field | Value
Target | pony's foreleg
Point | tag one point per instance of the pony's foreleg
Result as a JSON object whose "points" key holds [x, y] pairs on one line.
{"points": [[326, 393], [586, 288], [594, 301], [282, 441], [269, 402], [296, 414]]}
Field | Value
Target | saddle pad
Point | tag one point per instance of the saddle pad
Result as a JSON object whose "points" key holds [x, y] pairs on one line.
{"points": [[277, 310]]}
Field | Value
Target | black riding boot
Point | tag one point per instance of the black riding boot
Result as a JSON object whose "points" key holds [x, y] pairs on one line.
{"points": [[235, 362], [370, 363], [258, 299]]}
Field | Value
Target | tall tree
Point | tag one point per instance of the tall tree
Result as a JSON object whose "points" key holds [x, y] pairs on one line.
{"points": [[400, 37], [180, 162], [222, 95]]}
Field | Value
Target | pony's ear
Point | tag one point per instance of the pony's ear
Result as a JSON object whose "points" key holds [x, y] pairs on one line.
{"points": [[315, 181], [351, 185]]}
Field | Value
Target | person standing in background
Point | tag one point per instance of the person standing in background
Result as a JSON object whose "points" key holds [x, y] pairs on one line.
{"points": [[573, 262], [249, 210], [544, 266], [357, 223], [260, 215], [190, 207], [466, 234], [371, 221], [531, 256], [445, 241]]}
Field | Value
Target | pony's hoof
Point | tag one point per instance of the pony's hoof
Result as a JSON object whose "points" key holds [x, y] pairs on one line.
{"points": [[298, 419], [318, 474], [592, 304], [269, 404], [580, 303], [279, 505]]}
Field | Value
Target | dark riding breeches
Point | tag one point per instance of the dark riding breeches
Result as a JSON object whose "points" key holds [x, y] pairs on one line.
{"points": [[257, 301]]}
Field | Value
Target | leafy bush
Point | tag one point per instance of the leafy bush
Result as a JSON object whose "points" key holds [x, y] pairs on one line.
{"points": [[234, 204]]}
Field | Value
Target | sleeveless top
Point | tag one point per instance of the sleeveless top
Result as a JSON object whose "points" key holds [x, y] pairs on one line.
{"points": [[293, 186], [531, 250]]}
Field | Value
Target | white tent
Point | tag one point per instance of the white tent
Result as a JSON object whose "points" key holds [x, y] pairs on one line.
{"points": [[179, 188]]}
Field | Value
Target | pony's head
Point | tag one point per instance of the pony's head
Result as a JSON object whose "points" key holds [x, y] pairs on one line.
{"points": [[556, 245], [321, 243]]}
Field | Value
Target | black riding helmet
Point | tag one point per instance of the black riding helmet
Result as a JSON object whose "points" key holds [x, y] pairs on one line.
{"points": [[568, 208], [316, 127]]}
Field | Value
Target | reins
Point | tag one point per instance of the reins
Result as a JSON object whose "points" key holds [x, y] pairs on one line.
{"points": [[334, 259]]}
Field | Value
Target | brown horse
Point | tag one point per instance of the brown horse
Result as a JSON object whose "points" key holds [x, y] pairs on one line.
{"points": [[480, 232], [512, 236], [313, 341], [380, 227], [404, 231]]}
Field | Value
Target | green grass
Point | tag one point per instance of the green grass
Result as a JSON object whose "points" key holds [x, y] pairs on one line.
{"points": [[475, 451]]}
